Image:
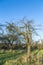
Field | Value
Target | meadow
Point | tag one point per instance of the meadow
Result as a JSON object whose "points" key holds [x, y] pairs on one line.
{"points": [[18, 57], [10, 57]]}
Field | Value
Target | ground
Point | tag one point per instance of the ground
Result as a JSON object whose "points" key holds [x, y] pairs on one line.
{"points": [[18, 57]]}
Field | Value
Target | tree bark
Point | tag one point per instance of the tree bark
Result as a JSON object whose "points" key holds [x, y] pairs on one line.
{"points": [[28, 54]]}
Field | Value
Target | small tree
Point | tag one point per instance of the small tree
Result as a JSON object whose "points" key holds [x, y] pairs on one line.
{"points": [[12, 33]]}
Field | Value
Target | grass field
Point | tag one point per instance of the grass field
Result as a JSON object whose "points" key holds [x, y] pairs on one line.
{"points": [[10, 57]]}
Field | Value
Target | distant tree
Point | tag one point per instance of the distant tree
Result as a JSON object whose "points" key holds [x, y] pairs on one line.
{"points": [[12, 33], [1, 34]]}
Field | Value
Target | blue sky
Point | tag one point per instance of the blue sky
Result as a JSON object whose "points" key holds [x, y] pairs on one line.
{"points": [[17, 9]]}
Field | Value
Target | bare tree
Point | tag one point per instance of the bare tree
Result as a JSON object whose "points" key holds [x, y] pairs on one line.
{"points": [[26, 32], [12, 34]]}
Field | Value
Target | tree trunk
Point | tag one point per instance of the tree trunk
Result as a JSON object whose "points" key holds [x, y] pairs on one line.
{"points": [[29, 49], [28, 54]]}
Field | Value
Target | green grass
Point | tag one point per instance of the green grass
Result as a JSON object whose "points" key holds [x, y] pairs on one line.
{"points": [[4, 56], [12, 56], [37, 55]]}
